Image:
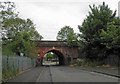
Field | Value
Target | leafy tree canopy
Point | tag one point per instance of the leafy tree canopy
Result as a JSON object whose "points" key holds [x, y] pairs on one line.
{"points": [[99, 31], [96, 20], [17, 33], [67, 34]]}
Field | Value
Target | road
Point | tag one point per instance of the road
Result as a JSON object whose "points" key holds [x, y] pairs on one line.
{"points": [[61, 74]]}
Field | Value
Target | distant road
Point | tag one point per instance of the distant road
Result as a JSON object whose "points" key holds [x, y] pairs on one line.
{"points": [[61, 74]]}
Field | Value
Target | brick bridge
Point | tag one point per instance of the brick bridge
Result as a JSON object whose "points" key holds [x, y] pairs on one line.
{"points": [[60, 48]]}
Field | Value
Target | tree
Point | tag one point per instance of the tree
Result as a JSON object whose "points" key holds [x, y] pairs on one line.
{"points": [[111, 37], [72, 39], [95, 21], [17, 33], [91, 27], [63, 33], [7, 11], [67, 34], [49, 55]]}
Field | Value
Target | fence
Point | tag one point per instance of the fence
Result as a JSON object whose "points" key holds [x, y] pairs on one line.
{"points": [[113, 60], [15, 64]]}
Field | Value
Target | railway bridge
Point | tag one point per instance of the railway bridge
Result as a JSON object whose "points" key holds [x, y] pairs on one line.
{"points": [[60, 48]]}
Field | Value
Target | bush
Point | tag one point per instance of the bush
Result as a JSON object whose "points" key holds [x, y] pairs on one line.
{"points": [[79, 62], [87, 63], [93, 63]]}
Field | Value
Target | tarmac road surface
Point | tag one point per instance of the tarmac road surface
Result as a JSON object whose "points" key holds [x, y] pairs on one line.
{"points": [[61, 74]]}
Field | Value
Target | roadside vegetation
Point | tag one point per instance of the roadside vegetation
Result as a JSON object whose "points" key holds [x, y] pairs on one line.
{"points": [[17, 32], [99, 36], [17, 36]]}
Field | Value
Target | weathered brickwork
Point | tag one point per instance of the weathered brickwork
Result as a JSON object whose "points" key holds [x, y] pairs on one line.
{"points": [[58, 47]]}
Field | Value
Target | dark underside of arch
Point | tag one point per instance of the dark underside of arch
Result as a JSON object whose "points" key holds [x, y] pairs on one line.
{"points": [[60, 56]]}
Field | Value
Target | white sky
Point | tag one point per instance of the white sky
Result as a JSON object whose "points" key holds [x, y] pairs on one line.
{"points": [[50, 16]]}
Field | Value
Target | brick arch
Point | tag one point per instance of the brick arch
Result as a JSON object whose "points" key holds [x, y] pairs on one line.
{"points": [[43, 50], [59, 54], [57, 51], [59, 47]]}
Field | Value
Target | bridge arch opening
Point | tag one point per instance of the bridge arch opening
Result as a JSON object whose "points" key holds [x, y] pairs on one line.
{"points": [[60, 57]]}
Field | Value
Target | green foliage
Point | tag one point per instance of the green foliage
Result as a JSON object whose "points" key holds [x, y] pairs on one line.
{"points": [[49, 55], [95, 21], [67, 34], [87, 63], [99, 32], [17, 33], [63, 33], [111, 37], [7, 49], [72, 39], [7, 10]]}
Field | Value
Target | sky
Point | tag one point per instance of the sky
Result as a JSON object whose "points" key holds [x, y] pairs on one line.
{"points": [[49, 16]]}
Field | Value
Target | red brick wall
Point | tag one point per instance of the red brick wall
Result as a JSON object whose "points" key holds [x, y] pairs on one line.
{"points": [[66, 51]]}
